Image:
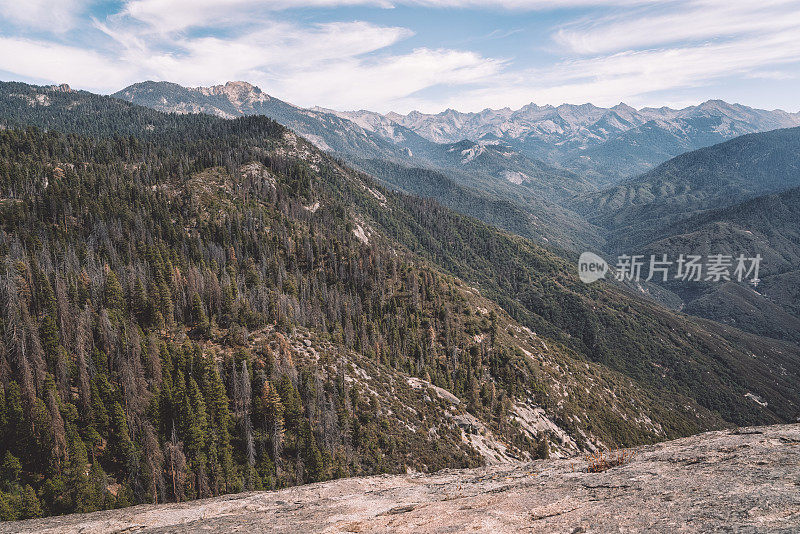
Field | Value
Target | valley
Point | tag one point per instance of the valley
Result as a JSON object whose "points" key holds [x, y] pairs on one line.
{"points": [[512, 170], [200, 305], [390, 266]]}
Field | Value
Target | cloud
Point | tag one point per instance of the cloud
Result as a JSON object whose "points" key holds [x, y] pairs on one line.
{"points": [[337, 64], [332, 64], [630, 75], [174, 15], [771, 75], [380, 85], [56, 17], [60, 63], [628, 53], [273, 46], [681, 22]]}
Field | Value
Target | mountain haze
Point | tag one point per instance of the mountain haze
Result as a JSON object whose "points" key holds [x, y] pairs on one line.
{"points": [[604, 143], [737, 197], [638, 208], [768, 226]]}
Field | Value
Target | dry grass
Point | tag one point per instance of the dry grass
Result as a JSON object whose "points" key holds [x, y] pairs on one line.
{"points": [[603, 460]]}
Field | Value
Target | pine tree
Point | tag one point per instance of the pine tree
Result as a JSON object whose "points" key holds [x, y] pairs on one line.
{"points": [[140, 304], [175, 461], [273, 418], [291, 403], [48, 333], [312, 457], [8, 512], [31, 507], [9, 471], [199, 317], [113, 295], [121, 441], [221, 460]]}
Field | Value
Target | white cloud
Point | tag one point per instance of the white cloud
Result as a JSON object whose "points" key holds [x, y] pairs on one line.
{"points": [[272, 46], [329, 64], [631, 75], [633, 53], [380, 85], [326, 64], [173, 15], [679, 23], [771, 75], [60, 63], [58, 16]]}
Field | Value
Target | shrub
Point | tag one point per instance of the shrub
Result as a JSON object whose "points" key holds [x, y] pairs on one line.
{"points": [[604, 460]]}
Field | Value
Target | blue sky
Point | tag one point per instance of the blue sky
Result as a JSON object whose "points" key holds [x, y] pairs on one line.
{"points": [[399, 55]]}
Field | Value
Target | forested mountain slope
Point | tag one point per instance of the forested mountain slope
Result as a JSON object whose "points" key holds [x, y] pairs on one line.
{"points": [[156, 322], [512, 269], [768, 226], [638, 209], [514, 209], [495, 167], [713, 201], [194, 306], [501, 184]]}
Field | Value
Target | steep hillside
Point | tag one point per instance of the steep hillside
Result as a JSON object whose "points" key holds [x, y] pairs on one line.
{"points": [[191, 331], [542, 291], [202, 305], [494, 176], [639, 208], [499, 186], [712, 201], [495, 167], [512, 208], [768, 226]]}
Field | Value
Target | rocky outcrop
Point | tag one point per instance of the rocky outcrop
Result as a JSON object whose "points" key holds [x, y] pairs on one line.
{"points": [[744, 480]]}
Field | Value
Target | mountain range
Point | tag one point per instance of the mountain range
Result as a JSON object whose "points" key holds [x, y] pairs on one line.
{"points": [[528, 187], [735, 198], [603, 144], [196, 305], [576, 177], [715, 177]]}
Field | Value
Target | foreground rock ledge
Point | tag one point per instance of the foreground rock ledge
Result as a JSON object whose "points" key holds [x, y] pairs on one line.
{"points": [[744, 480]]}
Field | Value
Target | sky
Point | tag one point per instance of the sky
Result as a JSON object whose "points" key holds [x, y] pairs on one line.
{"points": [[428, 55]]}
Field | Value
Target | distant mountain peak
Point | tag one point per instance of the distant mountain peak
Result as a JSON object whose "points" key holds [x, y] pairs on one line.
{"points": [[622, 106], [604, 143], [716, 105], [60, 88], [238, 92]]}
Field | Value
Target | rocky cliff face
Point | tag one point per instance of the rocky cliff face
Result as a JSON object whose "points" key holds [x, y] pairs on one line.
{"points": [[744, 480]]}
